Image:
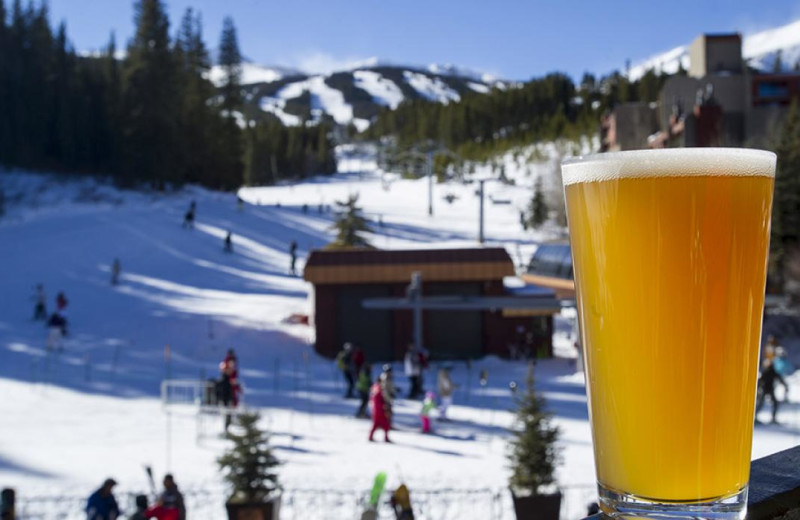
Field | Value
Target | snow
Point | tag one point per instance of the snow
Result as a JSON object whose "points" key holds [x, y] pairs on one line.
{"points": [[72, 419], [324, 99], [479, 87], [759, 49], [383, 90], [251, 73], [276, 106], [433, 89]]}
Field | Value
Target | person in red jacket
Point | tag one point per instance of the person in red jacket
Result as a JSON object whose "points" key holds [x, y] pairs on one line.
{"points": [[381, 411], [229, 370]]}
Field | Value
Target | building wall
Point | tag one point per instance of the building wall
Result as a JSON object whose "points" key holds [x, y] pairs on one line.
{"points": [[632, 124], [710, 54], [496, 332]]}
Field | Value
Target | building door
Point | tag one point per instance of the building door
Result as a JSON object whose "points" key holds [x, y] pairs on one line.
{"points": [[453, 334], [370, 329]]}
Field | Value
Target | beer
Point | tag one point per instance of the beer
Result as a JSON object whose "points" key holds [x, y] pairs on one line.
{"points": [[670, 253]]}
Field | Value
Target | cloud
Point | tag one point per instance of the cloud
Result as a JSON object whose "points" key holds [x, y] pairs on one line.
{"points": [[323, 63]]}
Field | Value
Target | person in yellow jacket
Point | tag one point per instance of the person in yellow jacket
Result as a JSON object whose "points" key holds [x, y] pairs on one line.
{"points": [[401, 503]]}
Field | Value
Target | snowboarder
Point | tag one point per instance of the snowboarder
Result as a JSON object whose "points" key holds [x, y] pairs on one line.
{"points": [[61, 302], [766, 387], [413, 370], [188, 218], [293, 260], [141, 508], [40, 307], [116, 268], [228, 247], [169, 505], [445, 386], [362, 386], [101, 504], [428, 404], [401, 503], [344, 362], [381, 410]]}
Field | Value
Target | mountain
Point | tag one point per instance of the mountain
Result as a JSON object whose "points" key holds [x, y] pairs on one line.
{"points": [[760, 49], [354, 95]]}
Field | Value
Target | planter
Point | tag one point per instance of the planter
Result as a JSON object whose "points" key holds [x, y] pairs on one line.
{"points": [[254, 510], [537, 507]]}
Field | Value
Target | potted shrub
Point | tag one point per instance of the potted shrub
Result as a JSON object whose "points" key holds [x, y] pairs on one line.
{"points": [[249, 467], [533, 455]]}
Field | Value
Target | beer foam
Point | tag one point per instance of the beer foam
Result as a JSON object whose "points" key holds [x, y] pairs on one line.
{"points": [[668, 162]]}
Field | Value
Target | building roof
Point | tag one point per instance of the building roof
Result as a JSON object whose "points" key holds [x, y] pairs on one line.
{"points": [[396, 266]]}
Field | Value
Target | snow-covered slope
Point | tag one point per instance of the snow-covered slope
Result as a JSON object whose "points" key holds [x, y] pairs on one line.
{"points": [[760, 49], [70, 420], [354, 95]]}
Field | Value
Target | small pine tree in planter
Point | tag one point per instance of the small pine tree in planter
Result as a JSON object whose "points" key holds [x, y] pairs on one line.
{"points": [[533, 457], [248, 466]]}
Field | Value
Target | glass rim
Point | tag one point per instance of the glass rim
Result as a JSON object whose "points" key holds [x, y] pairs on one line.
{"points": [[669, 162], [755, 153]]}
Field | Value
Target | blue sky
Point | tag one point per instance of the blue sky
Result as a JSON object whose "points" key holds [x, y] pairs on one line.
{"points": [[512, 39]]}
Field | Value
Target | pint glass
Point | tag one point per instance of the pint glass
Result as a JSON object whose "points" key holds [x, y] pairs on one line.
{"points": [[670, 256]]}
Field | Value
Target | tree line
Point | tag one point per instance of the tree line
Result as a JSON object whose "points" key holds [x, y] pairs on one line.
{"points": [[147, 115], [480, 126]]}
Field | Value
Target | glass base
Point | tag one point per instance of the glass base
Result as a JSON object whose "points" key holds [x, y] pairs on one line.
{"points": [[623, 505]]}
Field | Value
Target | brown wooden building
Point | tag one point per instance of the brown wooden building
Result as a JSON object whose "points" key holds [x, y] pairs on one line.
{"points": [[344, 279]]}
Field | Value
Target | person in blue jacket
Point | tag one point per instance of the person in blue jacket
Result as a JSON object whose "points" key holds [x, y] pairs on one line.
{"points": [[102, 505]]}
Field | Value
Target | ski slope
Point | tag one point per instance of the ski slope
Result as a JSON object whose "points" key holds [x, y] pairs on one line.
{"points": [[72, 419]]}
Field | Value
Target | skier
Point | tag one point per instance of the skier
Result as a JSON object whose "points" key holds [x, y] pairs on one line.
{"points": [[381, 410], [40, 308], [228, 247], [61, 302], [188, 218], [445, 386], [293, 261], [428, 404], [413, 371], [115, 270], [344, 362], [56, 332], [169, 505], [101, 504], [362, 386], [387, 382], [229, 388], [141, 508], [766, 387], [401, 503], [239, 203]]}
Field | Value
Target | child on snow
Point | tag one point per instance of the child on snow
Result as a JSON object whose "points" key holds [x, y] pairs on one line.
{"points": [[425, 414]]}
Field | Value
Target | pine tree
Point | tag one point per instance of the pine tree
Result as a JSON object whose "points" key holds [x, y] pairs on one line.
{"points": [[350, 224], [249, 465], [230, 144], [230, 59], [151, 100], [537, 209], [533, 453], [786, 205]]}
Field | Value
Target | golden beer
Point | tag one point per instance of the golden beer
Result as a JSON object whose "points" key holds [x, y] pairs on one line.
{"points": [[670, 253]]}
